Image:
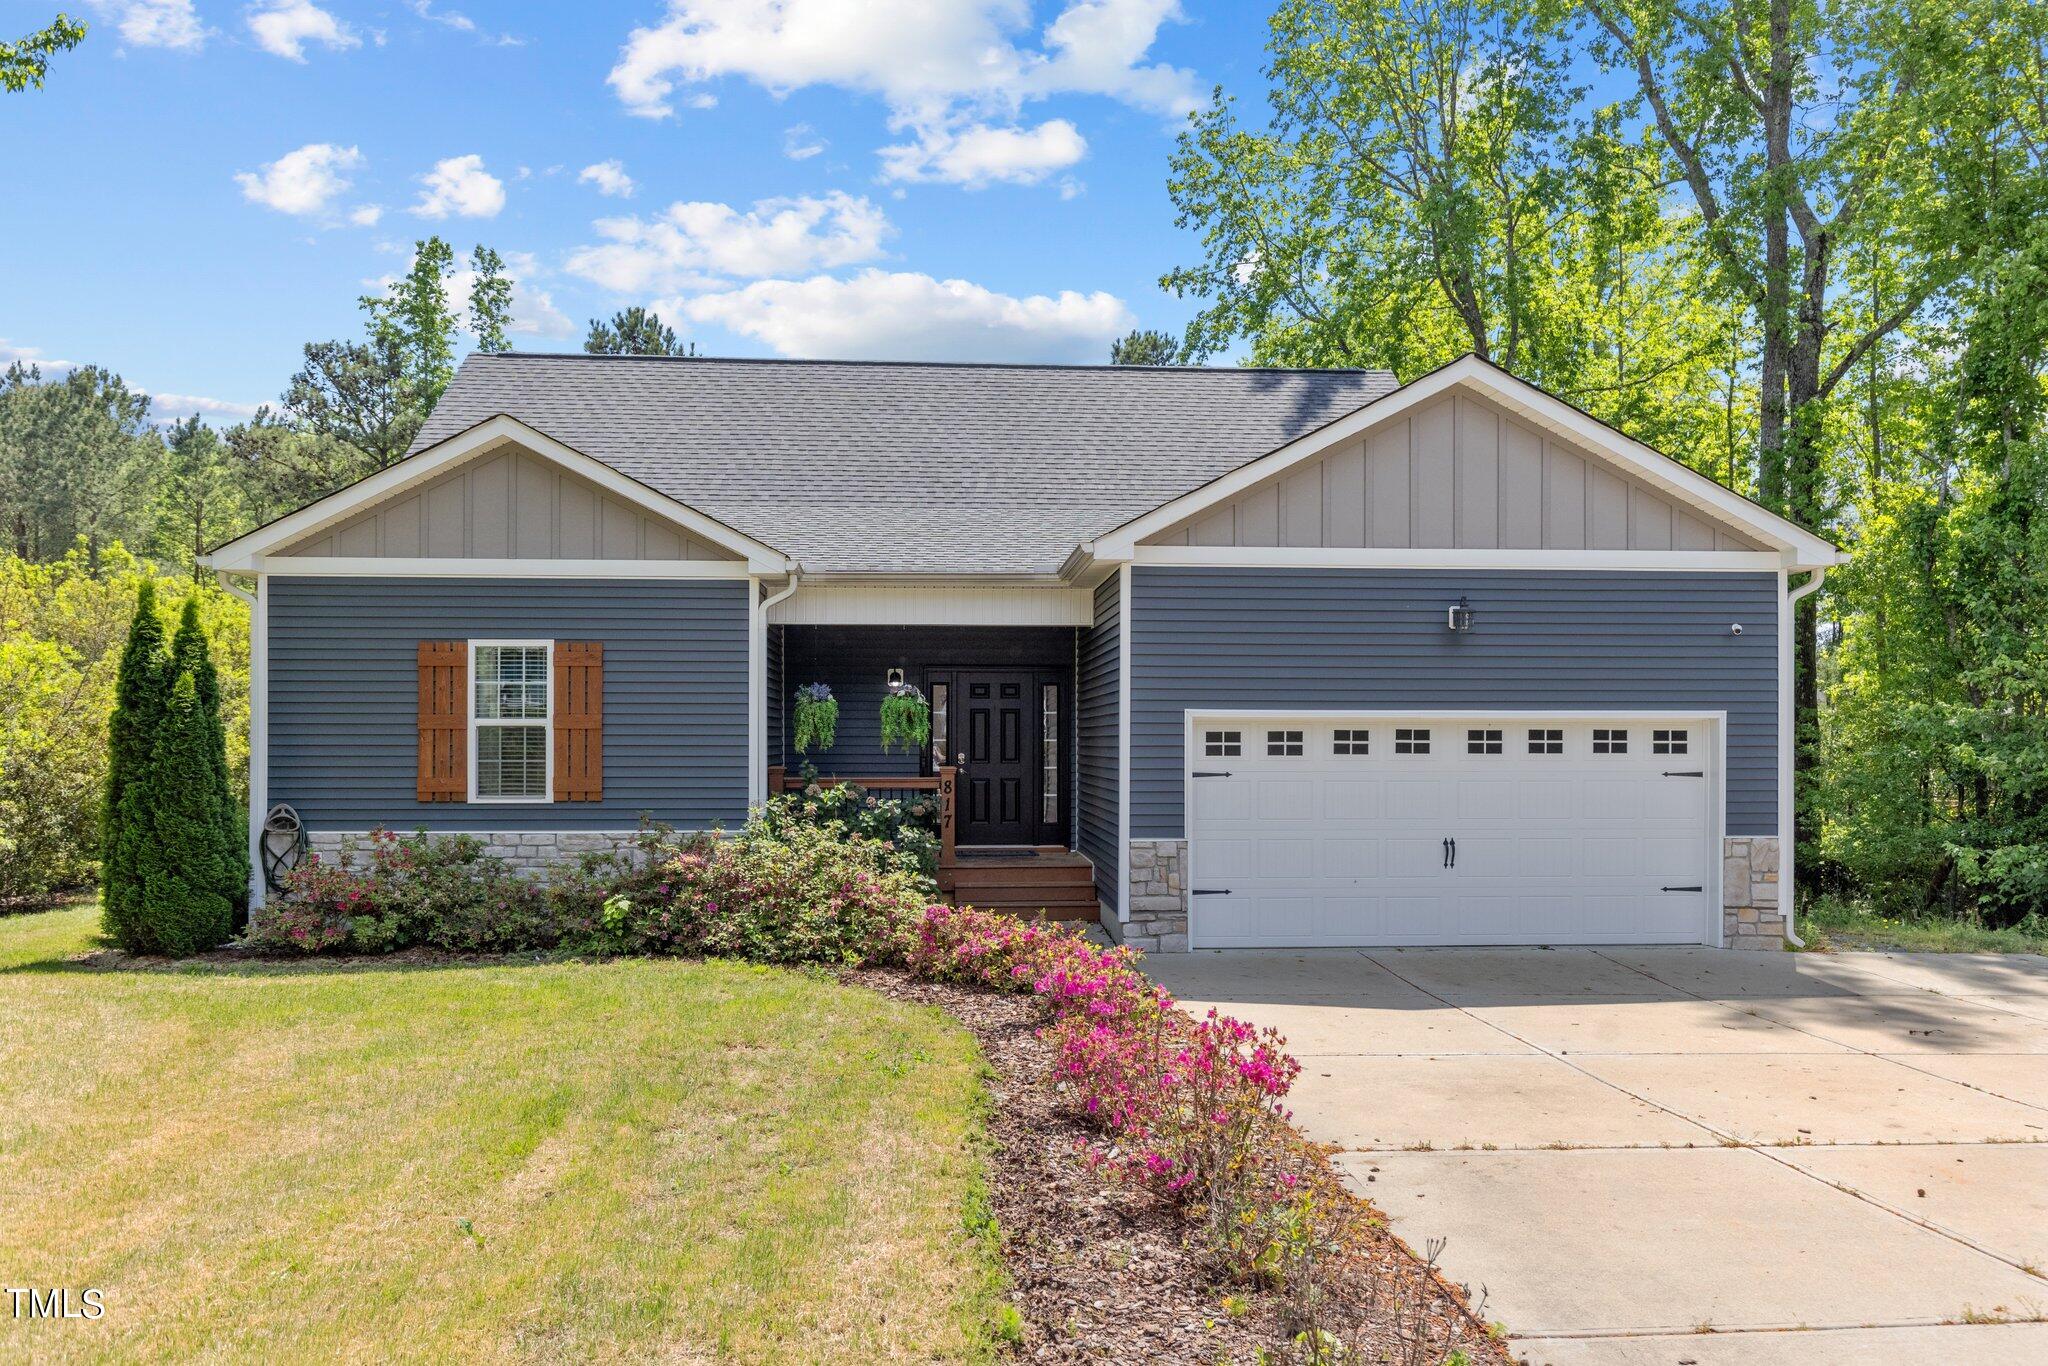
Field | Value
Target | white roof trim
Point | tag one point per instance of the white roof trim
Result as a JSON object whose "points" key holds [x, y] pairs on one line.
{"points": [[1798, 547], [245, 553]]}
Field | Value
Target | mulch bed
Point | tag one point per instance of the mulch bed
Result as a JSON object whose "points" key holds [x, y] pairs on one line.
{"points": [[1104, 1271]]}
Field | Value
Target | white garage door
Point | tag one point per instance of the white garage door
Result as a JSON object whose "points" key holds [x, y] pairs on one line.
{"points": [[1373, 830]]}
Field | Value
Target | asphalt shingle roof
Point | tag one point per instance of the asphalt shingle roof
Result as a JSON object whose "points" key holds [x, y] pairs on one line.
{"points": [[906, 468]]}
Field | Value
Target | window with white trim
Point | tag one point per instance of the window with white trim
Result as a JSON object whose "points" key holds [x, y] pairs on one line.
{"points": [[1223, 744], [1669, 742], [1610, 741], [1284, 744], [511, 715], [1411, 739], [1351, 742]]}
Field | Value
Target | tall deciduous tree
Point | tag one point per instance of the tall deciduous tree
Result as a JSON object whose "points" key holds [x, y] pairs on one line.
{"points": [[25, 61], [490, 300], [1426, 182], [1810, 135], [634, 331]]}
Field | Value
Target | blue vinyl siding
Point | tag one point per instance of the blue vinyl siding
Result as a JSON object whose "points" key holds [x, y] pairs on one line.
{"points": [[344, 696], [1367, 638], [1097, 782]]}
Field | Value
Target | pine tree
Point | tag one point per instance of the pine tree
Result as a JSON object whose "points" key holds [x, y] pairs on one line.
{"points": [[190, 654], [141, 692], [179, 866]]}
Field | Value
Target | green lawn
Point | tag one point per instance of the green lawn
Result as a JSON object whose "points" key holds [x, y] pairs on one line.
{"points": [[560, 1161], [1844, 925]]}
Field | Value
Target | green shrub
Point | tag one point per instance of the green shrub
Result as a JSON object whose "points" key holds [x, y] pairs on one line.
{"points": [[171, 813], [141, 696], [908, 828], [190, 655], [422, 891]]}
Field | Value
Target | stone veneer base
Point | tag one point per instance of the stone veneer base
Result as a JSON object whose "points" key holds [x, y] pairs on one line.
{"points": [[1751, 917], [530, 851]]}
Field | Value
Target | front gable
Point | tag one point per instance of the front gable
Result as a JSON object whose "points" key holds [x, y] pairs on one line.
{"points": [[508, 504], [499, 497], [1458, 472]]}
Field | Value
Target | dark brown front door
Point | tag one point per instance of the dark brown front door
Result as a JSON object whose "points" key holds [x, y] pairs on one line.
{"points": [[995, 722]]}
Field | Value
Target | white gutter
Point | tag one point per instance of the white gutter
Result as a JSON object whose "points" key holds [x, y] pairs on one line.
{"points": [[1788, 741]]}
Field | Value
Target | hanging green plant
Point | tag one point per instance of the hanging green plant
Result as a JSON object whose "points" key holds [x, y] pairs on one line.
{"points": [[906, 718], [817, 718]]}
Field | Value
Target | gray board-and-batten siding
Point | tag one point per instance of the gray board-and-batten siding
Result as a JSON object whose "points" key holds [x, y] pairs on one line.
{"points": [[344, 696], [1363, 639]]}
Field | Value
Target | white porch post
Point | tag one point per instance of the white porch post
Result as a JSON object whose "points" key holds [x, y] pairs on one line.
{"points": [[259, 736]]}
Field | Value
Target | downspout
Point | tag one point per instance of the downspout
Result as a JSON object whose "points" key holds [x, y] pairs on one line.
{"points": [[796, 578], [1788, 820]]}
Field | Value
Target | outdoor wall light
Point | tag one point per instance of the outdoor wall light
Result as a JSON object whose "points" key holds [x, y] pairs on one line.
{"points": [[895, 678], [1459, 615], [1736, 629]]}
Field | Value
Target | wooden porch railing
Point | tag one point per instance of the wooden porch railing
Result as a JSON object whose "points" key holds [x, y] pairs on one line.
{"points": [[781, 780]]}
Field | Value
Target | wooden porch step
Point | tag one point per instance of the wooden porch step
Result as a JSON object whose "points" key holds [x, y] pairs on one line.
{"points": [[1056, 883]]}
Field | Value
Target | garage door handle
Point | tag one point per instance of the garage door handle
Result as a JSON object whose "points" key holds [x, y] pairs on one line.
{"points": [[1200, 774], [1681, 889], [1684, 773], [1210, 891]]}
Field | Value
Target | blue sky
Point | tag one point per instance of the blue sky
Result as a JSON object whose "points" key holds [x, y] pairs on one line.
{"points": [[203, 186]]}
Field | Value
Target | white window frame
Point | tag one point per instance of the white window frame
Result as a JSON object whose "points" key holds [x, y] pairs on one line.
{"points": [[548, 725]]}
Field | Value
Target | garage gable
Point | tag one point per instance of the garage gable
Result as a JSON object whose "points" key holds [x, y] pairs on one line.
{"points": [[1462, 472], [1465, 461]]}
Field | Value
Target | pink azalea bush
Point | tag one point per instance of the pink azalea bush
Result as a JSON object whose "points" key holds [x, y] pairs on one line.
{"points": [[1187, 1105]]}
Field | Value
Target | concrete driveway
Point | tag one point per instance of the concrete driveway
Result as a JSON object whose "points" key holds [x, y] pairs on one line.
{"points": [[1668, 1156]]}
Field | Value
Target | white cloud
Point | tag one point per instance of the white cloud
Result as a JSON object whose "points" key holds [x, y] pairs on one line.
{"points": [[166, 408], [693, 245], [610, 178], [461, 23], [888, 315], [800, 142], [154, 23], [284, 27], [937, 64], [981, 154], [460, 186], [13, 352], [366, 215], [302, 182]]}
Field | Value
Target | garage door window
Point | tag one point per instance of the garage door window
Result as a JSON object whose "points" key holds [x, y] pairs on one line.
{"points": [[1668, 742], [1482, 742], [1223, 744], [1352, 742], [1283, 744], [1543, 740], [1411, 740], [1610, 741]]}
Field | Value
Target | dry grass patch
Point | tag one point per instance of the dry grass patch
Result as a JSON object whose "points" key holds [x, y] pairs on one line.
{"points": [[553, 1161]]}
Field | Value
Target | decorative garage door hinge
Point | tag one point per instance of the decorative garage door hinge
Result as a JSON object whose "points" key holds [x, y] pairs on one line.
{"points": [[1200, 774], [1210, 891], [1684, 773]]}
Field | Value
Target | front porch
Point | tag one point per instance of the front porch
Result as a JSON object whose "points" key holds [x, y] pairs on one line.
{"points": [[1000, 765]]}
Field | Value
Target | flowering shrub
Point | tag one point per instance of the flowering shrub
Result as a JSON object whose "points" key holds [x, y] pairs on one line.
{"points": [[402, 891], [1186, 1105]]}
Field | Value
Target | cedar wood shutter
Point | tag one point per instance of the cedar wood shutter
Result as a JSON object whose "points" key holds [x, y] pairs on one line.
{"points": [[579, 720], [444, 721]]}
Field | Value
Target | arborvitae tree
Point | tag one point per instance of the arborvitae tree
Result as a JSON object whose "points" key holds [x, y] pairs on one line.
{"points": [[141, 693], [189, 654], [179, 865]]}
